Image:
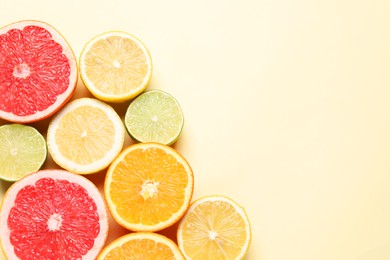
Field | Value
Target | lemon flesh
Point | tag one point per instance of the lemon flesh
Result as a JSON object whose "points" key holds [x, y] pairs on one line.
{"points": [[115, 66]]}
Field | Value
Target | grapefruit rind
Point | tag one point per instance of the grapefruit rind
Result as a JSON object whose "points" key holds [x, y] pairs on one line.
{"points": [[118, 97], [32, 178], [63, 98], [140, 227]]}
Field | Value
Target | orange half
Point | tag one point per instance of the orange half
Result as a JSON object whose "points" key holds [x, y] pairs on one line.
{"points": [[148, 187], [141, 245]]}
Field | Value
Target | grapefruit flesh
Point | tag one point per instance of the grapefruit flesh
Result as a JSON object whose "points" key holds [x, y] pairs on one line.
{"points": [[53, 214], [38, 71]]}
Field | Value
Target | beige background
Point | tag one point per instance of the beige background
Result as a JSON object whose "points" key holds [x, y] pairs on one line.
{"points": [[286, 105]]}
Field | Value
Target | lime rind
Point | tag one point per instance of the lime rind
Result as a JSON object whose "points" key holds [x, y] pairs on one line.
{"points": [[23, 150], [154, 116]]}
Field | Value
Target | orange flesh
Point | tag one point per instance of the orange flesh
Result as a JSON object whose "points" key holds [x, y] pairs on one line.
{"points": [[149, 186], [141, 249]]}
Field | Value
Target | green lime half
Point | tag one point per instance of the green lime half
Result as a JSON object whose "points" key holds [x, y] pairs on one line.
{"points": [[22, 151], [154, 116]]}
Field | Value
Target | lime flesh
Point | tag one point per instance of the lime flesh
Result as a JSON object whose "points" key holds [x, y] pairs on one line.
{"points": [[22, 151], [154, 116]]}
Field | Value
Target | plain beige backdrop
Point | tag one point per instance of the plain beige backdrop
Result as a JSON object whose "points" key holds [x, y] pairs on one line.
{"points": [[286, 107]]}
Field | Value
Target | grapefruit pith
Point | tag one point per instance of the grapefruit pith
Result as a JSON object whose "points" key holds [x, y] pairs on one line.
{"points": [[38, 71], [53, 214]]}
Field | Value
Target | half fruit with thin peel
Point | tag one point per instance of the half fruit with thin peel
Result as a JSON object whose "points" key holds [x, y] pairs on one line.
{"points": [[115, 66], [148, 187], [2, 254], [85, 136], [213, 228], [23, 151], [141, 245], [2, 191], [53, 214], [38, 71], [154, 116]]}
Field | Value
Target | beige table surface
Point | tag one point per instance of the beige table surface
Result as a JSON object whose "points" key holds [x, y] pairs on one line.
{"points": [[286, 103]]}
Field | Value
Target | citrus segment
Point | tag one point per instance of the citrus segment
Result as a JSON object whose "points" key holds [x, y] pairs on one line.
{"points": [[22, 149], [154, 116], [142, 245], [85, 136], [38, 71], [148, 187], [214, 227], [115, 66], [53, 214]]}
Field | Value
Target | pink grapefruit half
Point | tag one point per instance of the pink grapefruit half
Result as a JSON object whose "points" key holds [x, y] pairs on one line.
{"points": [[38, 71], [53, 214]]}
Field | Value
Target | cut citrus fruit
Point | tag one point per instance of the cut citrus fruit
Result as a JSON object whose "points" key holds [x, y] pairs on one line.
{"points": [[85, 136], [2, 255], [214, 227], [148, 187], [53, 214], [22, 149], [38, 71], [141, 245], [154, 116], [115, 66]]}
